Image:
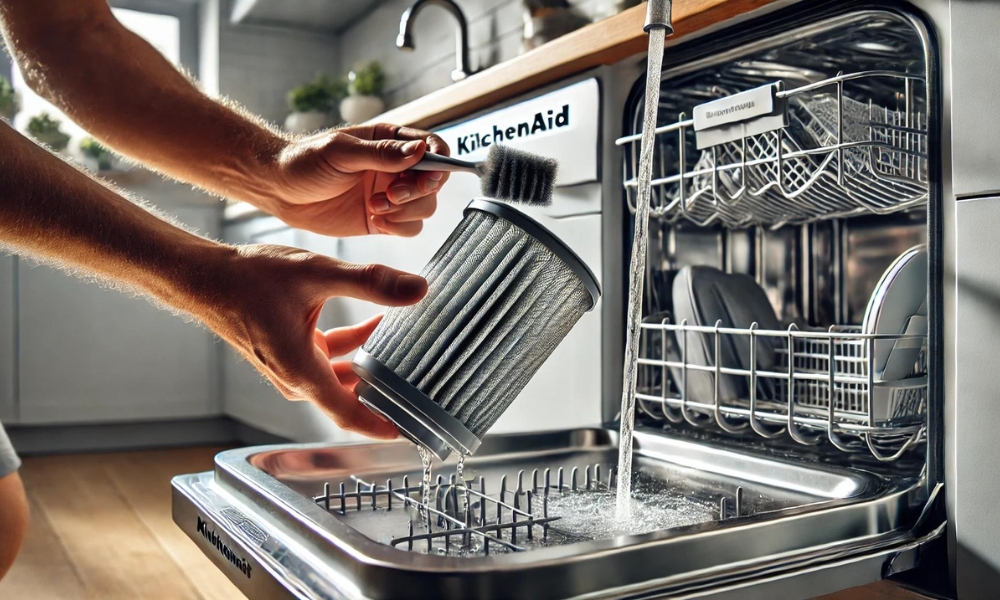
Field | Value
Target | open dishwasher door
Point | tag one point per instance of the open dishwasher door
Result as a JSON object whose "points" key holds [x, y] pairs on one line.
{"points": [[536, 520]]}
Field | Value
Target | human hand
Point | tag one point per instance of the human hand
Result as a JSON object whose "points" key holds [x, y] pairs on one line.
{"points": [[355, 181], [265, 301], [340, 341]]}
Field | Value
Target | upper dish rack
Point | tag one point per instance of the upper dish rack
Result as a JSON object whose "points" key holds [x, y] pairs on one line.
{"points": [[836, 157]]}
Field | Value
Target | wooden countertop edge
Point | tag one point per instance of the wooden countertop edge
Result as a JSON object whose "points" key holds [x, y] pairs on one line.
{"points": [[602, 43]]}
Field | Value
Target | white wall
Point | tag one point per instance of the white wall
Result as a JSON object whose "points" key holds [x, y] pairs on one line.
{"points": [[258, 65], [495, 31]]}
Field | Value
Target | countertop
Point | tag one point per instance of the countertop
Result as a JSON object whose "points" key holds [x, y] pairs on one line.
{"points": [[602, 43]]}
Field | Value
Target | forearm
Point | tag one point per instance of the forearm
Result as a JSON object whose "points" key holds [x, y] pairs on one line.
{"points": [[54, 212], [117, 87], [264, 300]]}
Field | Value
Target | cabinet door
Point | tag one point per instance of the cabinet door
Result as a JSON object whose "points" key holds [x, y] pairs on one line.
{"points": [[90, 354], [976, 517], [8, 337]]}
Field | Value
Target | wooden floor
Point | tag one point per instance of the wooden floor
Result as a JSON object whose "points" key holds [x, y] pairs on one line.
{"points": [[101, 529]]}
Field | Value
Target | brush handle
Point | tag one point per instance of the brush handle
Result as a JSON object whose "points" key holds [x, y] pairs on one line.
{"points": [[438, 162]]}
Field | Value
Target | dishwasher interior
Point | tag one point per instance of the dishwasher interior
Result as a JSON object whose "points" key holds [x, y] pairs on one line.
{"points": [[807, 217], [762, 444]]}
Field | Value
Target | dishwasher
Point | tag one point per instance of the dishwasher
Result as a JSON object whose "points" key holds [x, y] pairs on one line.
{"points": [[790, 407]]}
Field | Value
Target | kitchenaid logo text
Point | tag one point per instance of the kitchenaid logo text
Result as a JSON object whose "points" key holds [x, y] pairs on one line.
{"points": [[712, 114], [223, 549], [541, 122]]}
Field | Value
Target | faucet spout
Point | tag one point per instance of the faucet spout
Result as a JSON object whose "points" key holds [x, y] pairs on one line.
{"points": [[404, 41]]}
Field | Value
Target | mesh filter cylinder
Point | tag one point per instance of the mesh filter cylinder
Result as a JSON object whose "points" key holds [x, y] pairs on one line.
{"points": [[503, 291]]}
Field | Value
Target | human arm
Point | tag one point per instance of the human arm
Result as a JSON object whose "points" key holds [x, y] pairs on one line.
{"points": [[263, 300], [351, 181]]}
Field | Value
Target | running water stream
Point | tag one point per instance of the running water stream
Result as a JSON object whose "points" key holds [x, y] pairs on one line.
{"points": [[425, 483], [461, 506], [637, 272]]}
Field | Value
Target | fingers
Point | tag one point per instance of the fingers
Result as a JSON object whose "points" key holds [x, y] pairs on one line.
{"points": [[323, 387], [435, 143], [407, 229], [414, 185], [345, 373], [384, 131], [429, 181], [350, 154], [340, 341], [414, 211], [393, 213], [375, 283], [320, 340], [420, 208]]}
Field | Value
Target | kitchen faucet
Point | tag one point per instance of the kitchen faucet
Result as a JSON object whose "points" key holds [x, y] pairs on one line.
{"points": [[405, 39]]}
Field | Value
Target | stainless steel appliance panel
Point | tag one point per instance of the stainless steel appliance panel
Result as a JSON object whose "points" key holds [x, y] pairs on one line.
{"points": [[975, 82], [977, 477]]}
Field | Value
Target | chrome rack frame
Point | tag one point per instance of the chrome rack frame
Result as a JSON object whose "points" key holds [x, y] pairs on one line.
{"points": [[874, 162], [826, 388]]}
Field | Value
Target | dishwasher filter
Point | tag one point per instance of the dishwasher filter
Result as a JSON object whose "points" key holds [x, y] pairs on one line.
{"points": [[503, 291]]}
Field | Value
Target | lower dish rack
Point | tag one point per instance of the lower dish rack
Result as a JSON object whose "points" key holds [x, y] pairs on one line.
{"points": [[823, 386]]}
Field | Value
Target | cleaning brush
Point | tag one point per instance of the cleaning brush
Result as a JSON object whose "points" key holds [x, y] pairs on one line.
{"points": [[506, 174], [503, 291]]}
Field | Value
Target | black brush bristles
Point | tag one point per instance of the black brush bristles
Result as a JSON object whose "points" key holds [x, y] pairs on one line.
{"points": [[519, 176]]}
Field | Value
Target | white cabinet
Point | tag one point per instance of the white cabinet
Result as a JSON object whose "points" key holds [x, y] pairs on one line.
{"points": [[8, 340], [90, 354]]}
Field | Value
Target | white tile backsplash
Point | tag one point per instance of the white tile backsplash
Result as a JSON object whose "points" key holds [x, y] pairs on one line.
{"points": [[495, 32], [259, 65]]}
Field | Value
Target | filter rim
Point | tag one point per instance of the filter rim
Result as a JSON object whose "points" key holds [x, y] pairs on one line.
{"points": [[545, 237], [411, 429], [418, 417]]}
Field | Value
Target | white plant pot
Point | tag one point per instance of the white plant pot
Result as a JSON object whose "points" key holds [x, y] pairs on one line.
{"points": [[305, 122], [358, 109]]}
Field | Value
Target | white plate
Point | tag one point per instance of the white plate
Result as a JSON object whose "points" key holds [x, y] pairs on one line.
{"points": [[900, 294]]}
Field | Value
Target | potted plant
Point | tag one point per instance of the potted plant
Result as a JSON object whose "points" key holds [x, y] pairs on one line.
{"points": [[546, 20], [47, 130], [9, 102], [364, 88], [96, 153], [312, 103]]}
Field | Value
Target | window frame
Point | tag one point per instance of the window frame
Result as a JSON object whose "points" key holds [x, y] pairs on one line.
{"points": [[186, 12]]}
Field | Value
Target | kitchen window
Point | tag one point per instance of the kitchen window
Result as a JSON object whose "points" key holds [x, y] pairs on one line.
{"points": [[169, 26]]}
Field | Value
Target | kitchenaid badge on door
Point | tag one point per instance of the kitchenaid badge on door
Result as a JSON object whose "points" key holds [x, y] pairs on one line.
{"points": [[562, 125]]}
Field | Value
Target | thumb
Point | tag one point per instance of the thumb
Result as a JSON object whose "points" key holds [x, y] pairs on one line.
{"points": [[353, 155], [375, 283]]}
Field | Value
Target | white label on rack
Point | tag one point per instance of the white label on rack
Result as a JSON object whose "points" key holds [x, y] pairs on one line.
{"points": [[733, 109], [735, 131]]}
